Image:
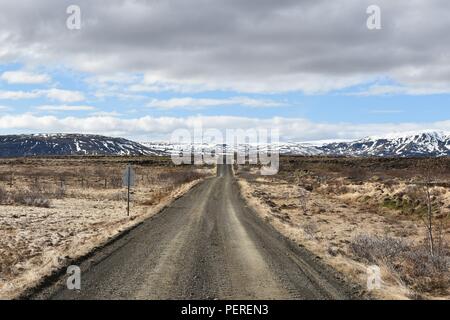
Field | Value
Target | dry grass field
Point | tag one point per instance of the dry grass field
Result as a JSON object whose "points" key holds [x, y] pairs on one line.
{"points": [[354, 213], [54, 210]]}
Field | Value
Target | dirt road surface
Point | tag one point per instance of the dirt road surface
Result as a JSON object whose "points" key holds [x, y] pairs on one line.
{"points": [[206, 245]]}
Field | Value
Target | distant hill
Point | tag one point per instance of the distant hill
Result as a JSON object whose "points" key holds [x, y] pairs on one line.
{"points": [[69, 144], [410, 144]]}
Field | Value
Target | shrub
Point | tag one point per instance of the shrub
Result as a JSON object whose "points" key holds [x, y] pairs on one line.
{"points": [[115, 181], [412, 265], [310, 229], [31, 199], [375, 249], [155, 198], [180, 177], [356, 174], [3, 196]]}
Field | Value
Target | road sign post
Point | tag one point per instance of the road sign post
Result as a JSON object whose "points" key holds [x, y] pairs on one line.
{"points": [[128, 181]]}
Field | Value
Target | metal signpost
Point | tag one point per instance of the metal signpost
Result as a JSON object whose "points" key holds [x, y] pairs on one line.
{"points": [[128, 181]]}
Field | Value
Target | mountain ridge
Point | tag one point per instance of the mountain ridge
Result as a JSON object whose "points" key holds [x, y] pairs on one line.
{"points": [[412, 144], [61, 144], [417, 144], [427, 143]]}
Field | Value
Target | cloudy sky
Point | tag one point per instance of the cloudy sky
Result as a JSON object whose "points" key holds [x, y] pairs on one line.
{"points": [[143, 68]]}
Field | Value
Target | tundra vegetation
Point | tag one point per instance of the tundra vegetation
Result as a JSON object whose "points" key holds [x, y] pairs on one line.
{"points": [[54, 210], [358, 212]]}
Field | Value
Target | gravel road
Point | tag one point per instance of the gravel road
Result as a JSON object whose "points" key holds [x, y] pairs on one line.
{"points": [[207, 245]]}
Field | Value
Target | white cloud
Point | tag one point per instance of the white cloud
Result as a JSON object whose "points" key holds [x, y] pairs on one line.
{"points": [[106, 114], [116, 93], [198, 103], [155, 128], [121, 78], [22, 77], [309, 83], [64, 108], [247, 46], [52, 94], [18, 95], [413, 90], [64, 95]]}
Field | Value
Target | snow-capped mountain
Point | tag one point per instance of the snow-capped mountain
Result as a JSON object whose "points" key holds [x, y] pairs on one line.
{"points": [[69, 144], [411, 144], [201, 148], [303, 149]]}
